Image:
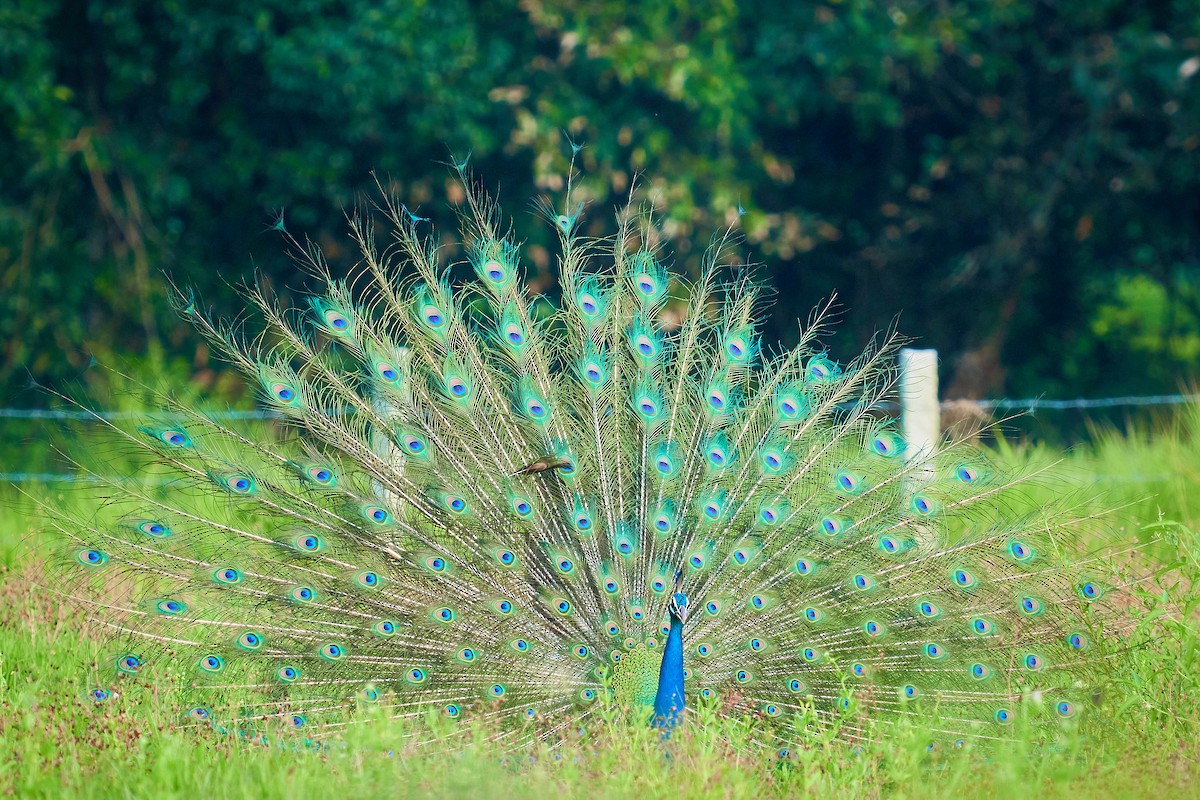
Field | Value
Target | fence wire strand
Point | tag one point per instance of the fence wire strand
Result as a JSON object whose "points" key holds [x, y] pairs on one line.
{"points": [[1003, 404]]}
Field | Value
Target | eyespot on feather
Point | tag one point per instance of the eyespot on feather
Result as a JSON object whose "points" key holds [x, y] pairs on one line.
{"points": [[91, 557], [152, 528], [227, 576]]}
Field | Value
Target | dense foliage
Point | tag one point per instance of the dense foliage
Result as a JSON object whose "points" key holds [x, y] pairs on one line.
{"points": [[1019, 179]]}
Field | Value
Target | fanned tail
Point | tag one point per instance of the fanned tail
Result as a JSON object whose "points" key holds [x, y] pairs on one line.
{"points": [[476, 502]]}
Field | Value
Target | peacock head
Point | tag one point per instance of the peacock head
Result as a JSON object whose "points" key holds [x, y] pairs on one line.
{"points": [[677, 608]]}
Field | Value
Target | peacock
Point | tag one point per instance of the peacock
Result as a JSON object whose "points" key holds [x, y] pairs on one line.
{"points": [[476, 502]]}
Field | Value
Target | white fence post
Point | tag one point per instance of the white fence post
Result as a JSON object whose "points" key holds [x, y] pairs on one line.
{"points": [[919, 420], [920, 425]]}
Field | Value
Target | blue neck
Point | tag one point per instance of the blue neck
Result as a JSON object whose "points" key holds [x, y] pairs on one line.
{"points": [[668, 703]]}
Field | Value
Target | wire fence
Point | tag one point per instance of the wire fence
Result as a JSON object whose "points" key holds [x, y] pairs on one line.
{"points": [[1035, 403], [996, 404], [1001, 404], [93, 416]]}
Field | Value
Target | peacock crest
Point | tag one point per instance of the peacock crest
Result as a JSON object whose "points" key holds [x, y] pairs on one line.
{"points": [[482, 503]]}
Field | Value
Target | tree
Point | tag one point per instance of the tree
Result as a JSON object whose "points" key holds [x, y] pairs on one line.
{"points": [[1018, 180]]}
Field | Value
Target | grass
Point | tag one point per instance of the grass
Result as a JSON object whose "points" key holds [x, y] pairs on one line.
{"points": [[1150, 468], [1143, 741]]}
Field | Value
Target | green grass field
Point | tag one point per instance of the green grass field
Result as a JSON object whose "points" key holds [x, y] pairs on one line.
{"points": [[1142, 740]]}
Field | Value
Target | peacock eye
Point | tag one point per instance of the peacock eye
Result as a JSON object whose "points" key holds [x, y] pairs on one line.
{"points": [[175, 438], [92, 558], [155, 529], [228, 575], [239, 484], [171, 607], [337, 321], [212, 663]]}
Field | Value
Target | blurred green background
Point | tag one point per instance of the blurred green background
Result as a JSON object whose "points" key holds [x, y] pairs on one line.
{"points": [[1018, 181]]}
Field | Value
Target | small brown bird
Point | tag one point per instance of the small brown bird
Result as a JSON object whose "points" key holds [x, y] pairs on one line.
{"points": [[542, 465]]}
